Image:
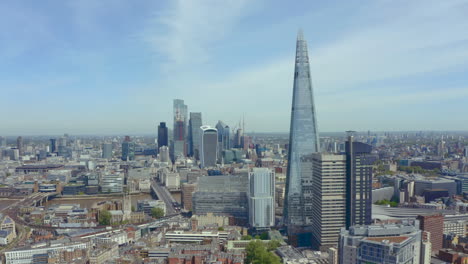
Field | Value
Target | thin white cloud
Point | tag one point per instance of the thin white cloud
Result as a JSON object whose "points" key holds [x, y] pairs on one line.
{"points": [[184, 32]]}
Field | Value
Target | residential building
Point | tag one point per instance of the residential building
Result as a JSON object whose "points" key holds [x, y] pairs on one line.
{"points": [[359, 164], [261, 196]]}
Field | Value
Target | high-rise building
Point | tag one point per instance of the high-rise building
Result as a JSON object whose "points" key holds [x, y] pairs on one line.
{"points": [[163, 135], [208, 146], [195, 123], [128, 149], [3, 142], [180, 114], [238, 138], [397, 243], [20, 145], [53, 145], [303, 141], [329, 204], [220, 127], [434, 224], [107, 150], [261, 196], [359, 164], [465, 151]]}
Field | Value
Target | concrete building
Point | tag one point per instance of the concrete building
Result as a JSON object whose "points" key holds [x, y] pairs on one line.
{"points": [[455, 227], [26, 256], [208, 146], [384, 243], [329, 205], [261, 196], [186, 197]]}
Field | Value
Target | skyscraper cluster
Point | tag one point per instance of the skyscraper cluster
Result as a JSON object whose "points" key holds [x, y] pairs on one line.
{"points": [[192, 138]]}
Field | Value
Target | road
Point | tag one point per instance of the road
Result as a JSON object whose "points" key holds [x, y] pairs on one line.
{"points": [[165, 195]]}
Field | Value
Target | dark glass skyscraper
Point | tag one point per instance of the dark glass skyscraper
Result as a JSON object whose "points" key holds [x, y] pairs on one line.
{"points": [[163, 136], [303, 141], [359, 163], [195, 123], [128, 149]]}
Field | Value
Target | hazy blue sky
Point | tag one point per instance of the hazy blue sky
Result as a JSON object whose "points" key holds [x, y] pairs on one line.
{"points": [[113, 66]]}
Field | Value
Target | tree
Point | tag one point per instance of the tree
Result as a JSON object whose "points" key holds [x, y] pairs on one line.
{"points": [[105, 217], [157, 213], [257, 253], [246, 237], [264, 236], [220, 228], [133, 208], [273, 245]]}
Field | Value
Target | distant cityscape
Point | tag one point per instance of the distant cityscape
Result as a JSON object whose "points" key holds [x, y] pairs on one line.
{"points": [[193, 193]]}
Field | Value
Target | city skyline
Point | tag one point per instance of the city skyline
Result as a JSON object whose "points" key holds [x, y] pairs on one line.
{"points": [[104, 69]]}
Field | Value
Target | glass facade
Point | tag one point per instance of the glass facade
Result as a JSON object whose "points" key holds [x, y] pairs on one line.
{"points": [[303, 142]]}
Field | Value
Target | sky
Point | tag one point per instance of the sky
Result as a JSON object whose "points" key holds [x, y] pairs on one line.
{"points": [[114, 66]]}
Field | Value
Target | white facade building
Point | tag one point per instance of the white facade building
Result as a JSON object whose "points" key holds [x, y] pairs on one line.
{"points": [[261, 194]]}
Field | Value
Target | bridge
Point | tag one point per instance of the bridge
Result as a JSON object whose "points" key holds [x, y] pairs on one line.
{"points": [[163, 194]]}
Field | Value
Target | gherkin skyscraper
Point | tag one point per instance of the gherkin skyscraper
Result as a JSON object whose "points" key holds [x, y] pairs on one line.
{"points": [[303, 141]]}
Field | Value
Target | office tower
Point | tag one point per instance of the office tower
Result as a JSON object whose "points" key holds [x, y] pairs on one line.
{"points": [[434, 224], [208, 146], [359, 164], [329, 204], [179, 140], [441, 148], [261, 194], [20, 145], [195, 123], [3, 142], [226, 138], [397, 243], [465, 151], [53, 145], [128, 149], [180, 114], [238, 138], [112, 183], [163, 135], [226, 194], [164, 154], [220, 127], [303, 141], [107, 151]]}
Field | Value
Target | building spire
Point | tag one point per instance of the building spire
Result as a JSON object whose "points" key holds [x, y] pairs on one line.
{"points": [[300, 35]]}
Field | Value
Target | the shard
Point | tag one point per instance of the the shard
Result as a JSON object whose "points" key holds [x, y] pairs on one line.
{"points": [[303, 141]]}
